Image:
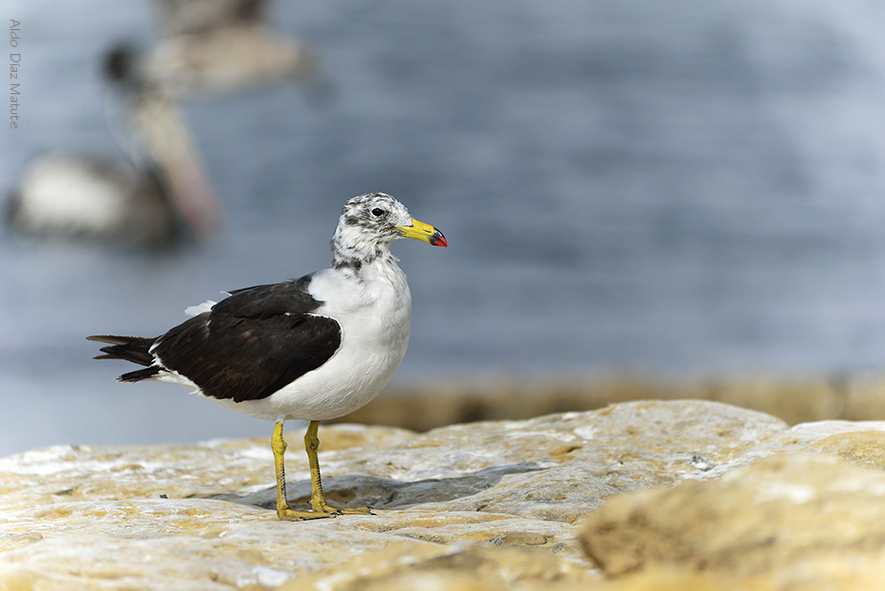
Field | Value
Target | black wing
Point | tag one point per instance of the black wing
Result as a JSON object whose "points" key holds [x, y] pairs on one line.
{"points": [[252, 343]]}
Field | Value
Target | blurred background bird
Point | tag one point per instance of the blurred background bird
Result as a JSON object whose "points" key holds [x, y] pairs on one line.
{"points": [[145, 196], [159, 192], [209, 47]]}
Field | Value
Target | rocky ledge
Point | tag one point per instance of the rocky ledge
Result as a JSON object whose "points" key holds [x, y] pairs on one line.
{"points": [[639, 495]]}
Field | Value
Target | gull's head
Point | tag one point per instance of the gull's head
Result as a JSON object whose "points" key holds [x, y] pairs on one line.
{"points": [[370, 222]]}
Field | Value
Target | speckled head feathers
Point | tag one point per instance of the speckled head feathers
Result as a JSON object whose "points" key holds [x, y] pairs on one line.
{"points": [[367, 226]]}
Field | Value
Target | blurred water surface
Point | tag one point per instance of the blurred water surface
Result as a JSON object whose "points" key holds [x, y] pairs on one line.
{"points": [[670, 186]]}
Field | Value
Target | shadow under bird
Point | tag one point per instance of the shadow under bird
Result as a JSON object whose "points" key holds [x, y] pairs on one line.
{"points": [[313, 348]]}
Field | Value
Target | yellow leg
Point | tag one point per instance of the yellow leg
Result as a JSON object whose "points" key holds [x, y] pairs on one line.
{"points": [[317, 500]]}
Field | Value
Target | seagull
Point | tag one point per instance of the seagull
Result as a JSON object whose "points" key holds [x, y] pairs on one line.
{"points": [[313, 348]]}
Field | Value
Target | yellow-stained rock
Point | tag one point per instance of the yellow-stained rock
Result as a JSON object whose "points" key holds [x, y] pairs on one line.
{"points": [[479, 506], [553, 468], [865, 449], [474, 567], [782, 515]]}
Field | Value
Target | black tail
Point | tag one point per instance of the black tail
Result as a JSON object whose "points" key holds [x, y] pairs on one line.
{"points": [[134, 349]]}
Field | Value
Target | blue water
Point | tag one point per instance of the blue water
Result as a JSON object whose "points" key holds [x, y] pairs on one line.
{"points": [[672, 186]]}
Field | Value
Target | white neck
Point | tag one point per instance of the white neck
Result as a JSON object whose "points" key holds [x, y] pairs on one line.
{"points": [[352, 248]]}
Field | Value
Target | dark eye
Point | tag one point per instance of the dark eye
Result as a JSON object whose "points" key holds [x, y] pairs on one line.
{"points": [[378, 212]]}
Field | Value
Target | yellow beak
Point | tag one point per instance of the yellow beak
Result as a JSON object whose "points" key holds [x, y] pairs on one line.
{"points": [[424, 232]]}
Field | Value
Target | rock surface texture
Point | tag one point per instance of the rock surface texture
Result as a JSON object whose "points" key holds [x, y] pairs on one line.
{"points": [[639, 495]]}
